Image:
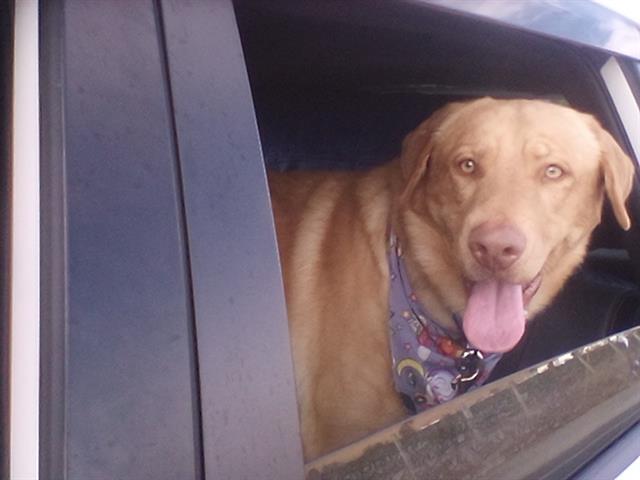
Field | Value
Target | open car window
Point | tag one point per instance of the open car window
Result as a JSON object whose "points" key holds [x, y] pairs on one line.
{"points": [[340, 93]]}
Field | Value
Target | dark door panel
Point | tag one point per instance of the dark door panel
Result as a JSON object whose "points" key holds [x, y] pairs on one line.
{"points": [[249, 416], [120, 336]]}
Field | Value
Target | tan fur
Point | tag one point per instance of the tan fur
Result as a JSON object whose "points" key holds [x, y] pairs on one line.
{"points": [[333, 231]]}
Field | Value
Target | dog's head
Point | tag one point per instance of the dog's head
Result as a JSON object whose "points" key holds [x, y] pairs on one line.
{"points": [[506, 193]]}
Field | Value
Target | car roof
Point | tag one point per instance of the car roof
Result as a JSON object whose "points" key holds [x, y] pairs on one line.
{"points": [[585, 23]]}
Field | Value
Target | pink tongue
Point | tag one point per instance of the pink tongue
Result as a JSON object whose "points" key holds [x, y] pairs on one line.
{"points": [[494, 319]]}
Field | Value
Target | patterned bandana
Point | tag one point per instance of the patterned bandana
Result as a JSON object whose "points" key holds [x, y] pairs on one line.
{"points": [[430, 365]]}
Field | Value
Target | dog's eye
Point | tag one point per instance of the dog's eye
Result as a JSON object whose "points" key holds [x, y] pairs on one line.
{"points": [[468, 165], [553, 172]]}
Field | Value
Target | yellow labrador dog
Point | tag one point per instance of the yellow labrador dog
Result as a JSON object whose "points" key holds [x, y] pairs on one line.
{"points": [[488, 209]]}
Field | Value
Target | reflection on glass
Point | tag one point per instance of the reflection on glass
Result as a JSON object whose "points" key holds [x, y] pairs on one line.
{"points": [[583, 22]]}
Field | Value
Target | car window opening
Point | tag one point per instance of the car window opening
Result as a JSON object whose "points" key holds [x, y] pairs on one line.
{"points": [[341, 94]]}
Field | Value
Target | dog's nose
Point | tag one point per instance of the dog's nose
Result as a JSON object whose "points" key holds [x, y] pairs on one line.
{"points": [[496, 247]]}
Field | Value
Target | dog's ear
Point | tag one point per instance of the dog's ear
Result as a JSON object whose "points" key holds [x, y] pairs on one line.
{"points": [[618, 171], [417, 146]]}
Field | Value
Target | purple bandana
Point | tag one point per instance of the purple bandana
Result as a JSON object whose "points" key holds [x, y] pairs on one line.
{"points": [[430, 365]]}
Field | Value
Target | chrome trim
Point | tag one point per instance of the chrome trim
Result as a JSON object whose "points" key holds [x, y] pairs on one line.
{"points": [[624, 101], [632, 472], [25, 255]]}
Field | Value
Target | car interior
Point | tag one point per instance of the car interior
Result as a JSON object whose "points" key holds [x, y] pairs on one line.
{"points": [[337, 86]]}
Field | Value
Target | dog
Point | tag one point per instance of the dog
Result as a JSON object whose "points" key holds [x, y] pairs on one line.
{"points": [[487, 209]]}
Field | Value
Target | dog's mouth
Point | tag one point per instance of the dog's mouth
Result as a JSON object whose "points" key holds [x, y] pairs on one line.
{"points": [[495, 316], [529, 290]]}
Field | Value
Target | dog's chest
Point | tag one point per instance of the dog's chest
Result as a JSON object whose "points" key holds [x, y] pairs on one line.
{"points": [[430, 365]]}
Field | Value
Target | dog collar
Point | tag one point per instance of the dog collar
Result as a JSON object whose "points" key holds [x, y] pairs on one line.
{"points": [[430, 365]]}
